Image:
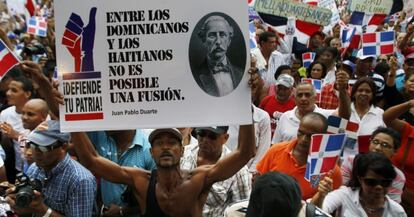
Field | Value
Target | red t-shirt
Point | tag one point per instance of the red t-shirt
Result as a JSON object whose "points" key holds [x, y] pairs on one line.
{"points": [[408, 170], [275, 109]]}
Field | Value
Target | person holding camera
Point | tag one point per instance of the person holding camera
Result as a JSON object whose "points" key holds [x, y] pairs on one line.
{"points": [[55, 184]]}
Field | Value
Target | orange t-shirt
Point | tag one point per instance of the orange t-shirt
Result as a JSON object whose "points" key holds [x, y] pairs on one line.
{"points": [[407, 134], [279, 158]]}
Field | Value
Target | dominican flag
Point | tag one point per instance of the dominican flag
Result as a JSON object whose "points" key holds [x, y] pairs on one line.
{"points": [[307, 58], [37, 26], [7, 59], [252, 39], [301, 30], [341, 125], [251, 3], [31, 8], [366, 22], [324, 153], [317, 84], [378, 43], [349, 39], [363, 143]]}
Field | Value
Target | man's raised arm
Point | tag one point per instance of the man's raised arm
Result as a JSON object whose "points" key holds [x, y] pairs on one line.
{"points": [[97, 164], [230, 165]]}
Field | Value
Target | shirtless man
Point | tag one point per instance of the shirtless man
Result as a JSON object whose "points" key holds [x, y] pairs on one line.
{"points": [[174, 192], [168, 190]]}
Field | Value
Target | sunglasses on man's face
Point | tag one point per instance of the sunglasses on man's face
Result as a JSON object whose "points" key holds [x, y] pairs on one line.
{"points": [[385, 183], [210, 135], [43, 149]]}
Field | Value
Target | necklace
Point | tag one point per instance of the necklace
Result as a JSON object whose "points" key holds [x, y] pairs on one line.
{"points": [[371, 210]]}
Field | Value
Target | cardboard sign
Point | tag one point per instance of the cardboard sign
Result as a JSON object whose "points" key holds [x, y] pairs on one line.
{"points": [[371, 6], [288, 8], [154, 64]]}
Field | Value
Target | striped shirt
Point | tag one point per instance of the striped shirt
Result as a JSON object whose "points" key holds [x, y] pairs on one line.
{"points": [[223, 193], [396, 188], [68, 188]]}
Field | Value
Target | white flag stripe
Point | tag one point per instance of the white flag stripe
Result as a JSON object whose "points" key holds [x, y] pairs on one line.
{"points": [[3, 53]]}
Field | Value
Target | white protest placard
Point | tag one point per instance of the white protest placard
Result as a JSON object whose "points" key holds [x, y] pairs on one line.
{"points": [[408, 7], [16, 7], [330, 5], [133, 64], [289, 8], [371, 6]]}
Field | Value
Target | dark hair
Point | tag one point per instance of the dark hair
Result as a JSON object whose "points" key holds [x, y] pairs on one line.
{"points": [[280, 69], [274, 194], [408, 75], [333, 51], [382, 69], [370, 83], [391, 132], [371, 161], [327, 41], [264, 36], [309, 69], [27, 84], [13, 73], [315, 115]]}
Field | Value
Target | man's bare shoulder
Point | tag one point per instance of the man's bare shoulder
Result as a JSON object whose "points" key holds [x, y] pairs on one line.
{"points": [[196, 173], [138, 173]]}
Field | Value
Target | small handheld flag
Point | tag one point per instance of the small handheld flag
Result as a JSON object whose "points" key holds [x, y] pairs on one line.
{"points": [[317, 84], [378, 43], [37, 26], [252, 39], [323, 155], [341, 125], [307, 58], [7, 59]]}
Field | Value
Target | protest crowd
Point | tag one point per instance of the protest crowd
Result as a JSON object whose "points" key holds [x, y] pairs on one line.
{"points": [[332, 131]]}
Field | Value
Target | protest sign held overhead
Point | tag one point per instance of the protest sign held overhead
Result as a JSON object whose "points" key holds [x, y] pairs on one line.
{"points": [[129, 65], [371, 6], [302, 11]]}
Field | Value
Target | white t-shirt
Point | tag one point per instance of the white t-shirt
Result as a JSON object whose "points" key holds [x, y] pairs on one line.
{"points": [[287, 128], [262, 131], [348, 199], [11, 117], [370, 121]]}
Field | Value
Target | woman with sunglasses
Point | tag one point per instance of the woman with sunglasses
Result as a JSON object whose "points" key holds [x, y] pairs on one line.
{"points": [[366, 194], [385, 141]]}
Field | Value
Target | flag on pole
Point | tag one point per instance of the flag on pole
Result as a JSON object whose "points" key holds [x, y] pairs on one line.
{"points": [[349, 39], [366, 22], [31, 8], [317, 84], [323, 155], [7, 59], [301, 30], [307, 58], [378, 43], [37, 26]]}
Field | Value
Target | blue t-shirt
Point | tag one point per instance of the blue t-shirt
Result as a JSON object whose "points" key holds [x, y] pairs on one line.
{"points": [[137, 155]]}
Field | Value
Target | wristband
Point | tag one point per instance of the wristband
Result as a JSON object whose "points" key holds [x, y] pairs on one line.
{"points": [[48, 213]]}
